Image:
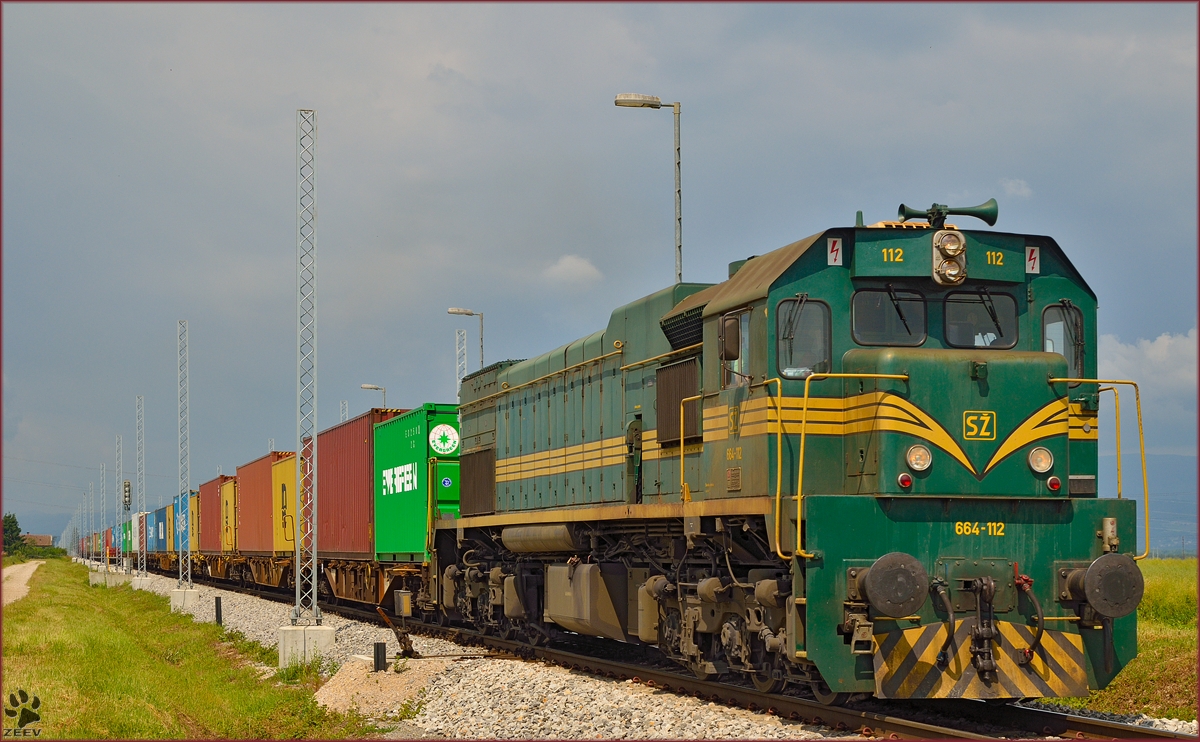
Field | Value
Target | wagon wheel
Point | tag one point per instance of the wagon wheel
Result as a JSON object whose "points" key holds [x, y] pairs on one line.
{"points": [[764, 683]]}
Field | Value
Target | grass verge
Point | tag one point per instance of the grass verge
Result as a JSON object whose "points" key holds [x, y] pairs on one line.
{"points": [[116, 663]]}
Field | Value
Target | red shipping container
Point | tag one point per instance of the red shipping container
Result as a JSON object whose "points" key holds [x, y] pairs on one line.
{"points": [[346, 486], [255, 534], [210, 506]]}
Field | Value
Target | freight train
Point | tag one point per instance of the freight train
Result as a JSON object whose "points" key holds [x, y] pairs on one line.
{"points": [[866, 463]]}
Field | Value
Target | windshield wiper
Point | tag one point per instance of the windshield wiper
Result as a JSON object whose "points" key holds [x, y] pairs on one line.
{"points": [[896, 303], [986, 299], [793, 319]]}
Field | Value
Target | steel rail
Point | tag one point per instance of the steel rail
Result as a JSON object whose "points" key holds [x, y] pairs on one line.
{"points": [[868, 723]]}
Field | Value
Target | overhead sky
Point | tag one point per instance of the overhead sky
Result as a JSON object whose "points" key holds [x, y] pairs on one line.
{"points": [[471, 155]]}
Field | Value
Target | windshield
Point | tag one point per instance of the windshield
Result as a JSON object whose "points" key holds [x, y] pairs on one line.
{"points": [[802, 329], [888, 316], [980, 319]]}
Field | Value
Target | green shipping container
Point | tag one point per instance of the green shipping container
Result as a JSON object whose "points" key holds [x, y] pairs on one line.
{"points": [[126, 537], [414, 452]]}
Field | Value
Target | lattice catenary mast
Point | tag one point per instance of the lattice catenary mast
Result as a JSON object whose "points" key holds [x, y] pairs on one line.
{"points": [[460, 358], [103, 512], [91, 542], [345, 410], [182, 516], [117, 498], [141, 486], [306, 609]]}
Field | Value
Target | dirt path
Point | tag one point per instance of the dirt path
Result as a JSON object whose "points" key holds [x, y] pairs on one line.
{"points": [[16, 580]]}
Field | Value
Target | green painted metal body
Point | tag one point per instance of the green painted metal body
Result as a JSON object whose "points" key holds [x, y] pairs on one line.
{"points": [[408, 465], [855, 510], [1041, 535], [126, 537]]}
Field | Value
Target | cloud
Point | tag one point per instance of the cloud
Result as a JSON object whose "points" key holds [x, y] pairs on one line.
{"points": [[574, 270], [1163, 367], [1016, 187], [1165, 370]]}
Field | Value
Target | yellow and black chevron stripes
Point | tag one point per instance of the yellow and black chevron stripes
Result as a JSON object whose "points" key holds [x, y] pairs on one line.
{"points": [[1048, 421], [566, 460], [906, 664]]}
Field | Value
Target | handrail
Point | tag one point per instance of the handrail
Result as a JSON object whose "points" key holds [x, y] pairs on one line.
{"points": [[1137, 396], [430, 508], [778, 461], [565, 369], [1117, 412], [661, 356], [799, 497], [685, 494]]}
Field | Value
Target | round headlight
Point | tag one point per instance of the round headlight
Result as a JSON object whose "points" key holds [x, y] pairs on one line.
{"points": [[918, 458], [951, 272], [950, 243], [1040, 460]]}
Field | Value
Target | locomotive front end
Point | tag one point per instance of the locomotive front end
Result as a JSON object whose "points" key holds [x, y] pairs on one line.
{"points": [[950, 541]]}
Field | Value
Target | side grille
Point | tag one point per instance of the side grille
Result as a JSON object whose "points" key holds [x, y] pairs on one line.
{"points": [[676, 383], [685, 328], [478, 494]]}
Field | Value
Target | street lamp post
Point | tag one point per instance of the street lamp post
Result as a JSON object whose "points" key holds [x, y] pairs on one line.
{"points": [[468, 313], [635, 100], [374, 388]]}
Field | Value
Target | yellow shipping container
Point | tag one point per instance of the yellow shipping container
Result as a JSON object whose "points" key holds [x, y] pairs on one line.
{"points": [[170, 530], [194, 522], [229, 516], [283, 510]]}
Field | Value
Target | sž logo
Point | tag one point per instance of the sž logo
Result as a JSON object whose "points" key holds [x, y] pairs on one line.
{"points": [[25, 711]]}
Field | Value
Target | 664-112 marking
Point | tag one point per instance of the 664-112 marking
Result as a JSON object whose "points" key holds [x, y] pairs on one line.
{"points": [[973, 528]]}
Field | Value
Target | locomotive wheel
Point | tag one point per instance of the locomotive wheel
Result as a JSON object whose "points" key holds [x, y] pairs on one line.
{"points": [[698, 669], [507, 629], [827, 697], [766, 684]]}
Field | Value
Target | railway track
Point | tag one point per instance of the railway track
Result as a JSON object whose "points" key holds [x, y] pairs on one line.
{"points": [[943, 719]]}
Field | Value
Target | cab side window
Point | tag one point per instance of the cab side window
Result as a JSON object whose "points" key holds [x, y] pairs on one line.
{"points": [[1062, 333], [737, 373], [803, 338]]}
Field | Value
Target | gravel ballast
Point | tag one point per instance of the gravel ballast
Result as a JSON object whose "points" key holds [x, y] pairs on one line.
{"points": [[501, 698]]}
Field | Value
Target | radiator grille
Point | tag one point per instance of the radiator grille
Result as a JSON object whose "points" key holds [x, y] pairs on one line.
{"points": [[676, 383], [685, 328], [478, 494]]}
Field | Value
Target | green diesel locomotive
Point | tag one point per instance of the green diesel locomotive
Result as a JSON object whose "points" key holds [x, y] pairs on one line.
{"points": [[865, 463]]}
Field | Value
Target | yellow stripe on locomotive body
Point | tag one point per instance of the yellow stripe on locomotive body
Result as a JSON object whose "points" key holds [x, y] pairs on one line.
{"points": [[565, 460]]}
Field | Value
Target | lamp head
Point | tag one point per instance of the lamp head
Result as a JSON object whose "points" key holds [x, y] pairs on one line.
{"points": [[460, 310], [372, 387], [636, 100]]}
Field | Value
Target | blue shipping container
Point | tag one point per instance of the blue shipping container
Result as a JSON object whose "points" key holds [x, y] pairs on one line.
{"points": [[151, 531]]}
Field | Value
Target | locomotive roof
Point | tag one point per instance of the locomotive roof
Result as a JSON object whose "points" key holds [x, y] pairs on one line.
{"points": [[752, 281]]}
